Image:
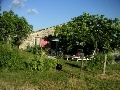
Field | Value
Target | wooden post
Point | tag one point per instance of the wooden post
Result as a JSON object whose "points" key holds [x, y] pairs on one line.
{"points": [[67, 56], [104, 68], [82, 62]]}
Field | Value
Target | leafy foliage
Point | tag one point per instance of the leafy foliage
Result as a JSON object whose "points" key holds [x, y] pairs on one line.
{"points": [[67, 79], [42, 64], [10, 57], [97, 62], [101, 32], [35, 49], [13, 28]]}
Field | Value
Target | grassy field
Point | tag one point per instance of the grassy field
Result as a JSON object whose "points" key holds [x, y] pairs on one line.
{"points": [[69, 78]]}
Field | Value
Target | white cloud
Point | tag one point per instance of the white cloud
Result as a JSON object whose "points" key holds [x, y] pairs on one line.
{"points": [[32, 11], [17, 3]]}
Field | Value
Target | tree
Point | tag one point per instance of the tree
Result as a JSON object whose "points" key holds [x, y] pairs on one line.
{"points": [[13, 28], [101, 32]]}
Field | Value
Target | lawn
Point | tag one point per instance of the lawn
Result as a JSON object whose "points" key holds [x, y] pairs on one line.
{"points": [[69, 78]]}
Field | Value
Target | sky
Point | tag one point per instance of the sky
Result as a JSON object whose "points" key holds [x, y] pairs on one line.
{"points": [[47, 13]]}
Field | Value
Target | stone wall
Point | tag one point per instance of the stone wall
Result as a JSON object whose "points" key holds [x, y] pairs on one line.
{"points": [[35, 37]]}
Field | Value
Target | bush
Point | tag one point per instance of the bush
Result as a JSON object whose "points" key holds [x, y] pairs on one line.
{"points": [[110, 58], [97, 63], [5, 55], [42, 64], [34, 49], [10, 58]]}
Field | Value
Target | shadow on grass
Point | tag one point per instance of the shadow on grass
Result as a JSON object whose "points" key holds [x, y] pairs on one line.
{"points": [[73, 65]]}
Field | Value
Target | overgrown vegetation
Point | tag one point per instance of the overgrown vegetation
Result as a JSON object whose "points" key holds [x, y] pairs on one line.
{"points": [[32, 69], [97, 63], [89, 32], [13, 29], [12, 58], [69, 78], [35, 49], [29, 75], [42, 63]]}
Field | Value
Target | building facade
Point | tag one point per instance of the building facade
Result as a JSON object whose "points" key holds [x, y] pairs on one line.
{"points": [[37, 38]]}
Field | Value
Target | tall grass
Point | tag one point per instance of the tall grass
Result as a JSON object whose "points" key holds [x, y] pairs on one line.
{"points": [[12, 58], [97, 63], [69, 78]]}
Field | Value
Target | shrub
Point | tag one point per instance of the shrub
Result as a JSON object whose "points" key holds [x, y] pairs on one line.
{"points": [[97, 63], [5, 55], [110, 58], [34, 49], [42, 64], [10, 58]]}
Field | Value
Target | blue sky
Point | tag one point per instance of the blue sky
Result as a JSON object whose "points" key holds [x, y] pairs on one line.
{"points": [[46, 13]]}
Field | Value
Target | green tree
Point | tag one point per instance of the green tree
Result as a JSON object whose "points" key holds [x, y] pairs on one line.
{"points": [[101, 32], [13, 28]]}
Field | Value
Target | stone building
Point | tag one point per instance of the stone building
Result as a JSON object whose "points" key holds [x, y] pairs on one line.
{"points": [[37, 38]]}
